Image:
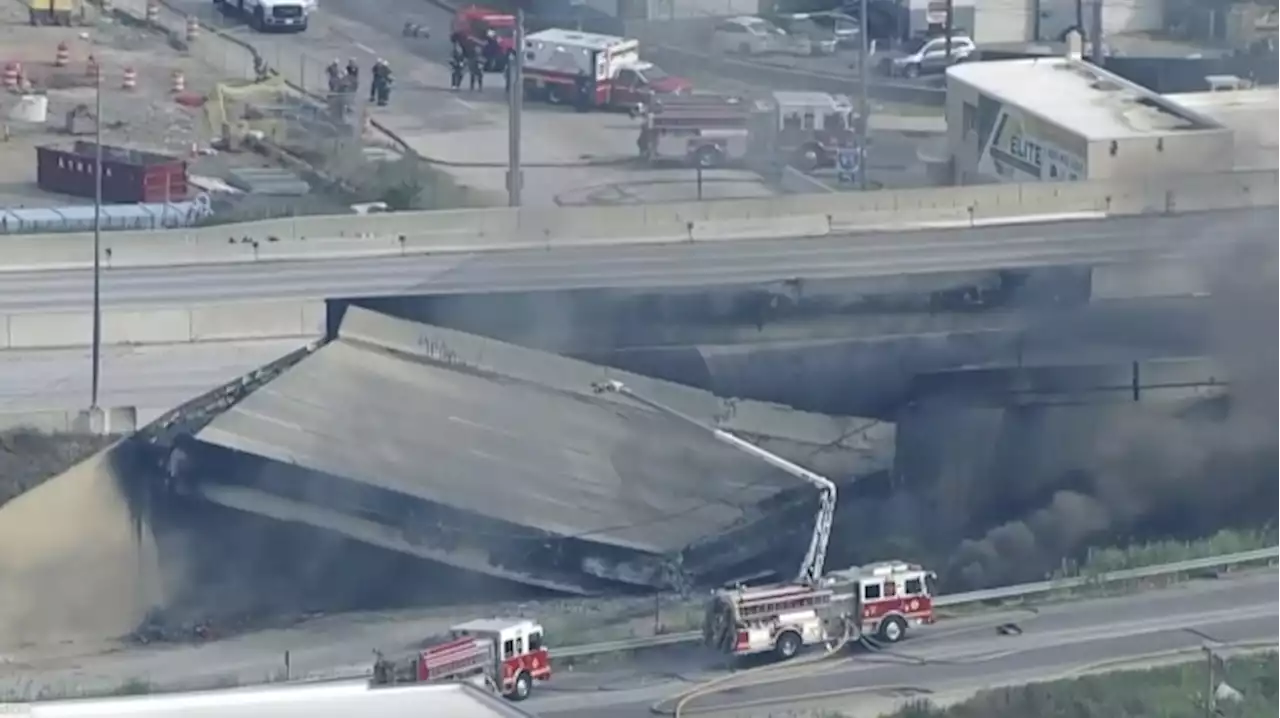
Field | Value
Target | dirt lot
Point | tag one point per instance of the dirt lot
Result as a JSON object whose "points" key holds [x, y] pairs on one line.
{"points": [[29, 457]]}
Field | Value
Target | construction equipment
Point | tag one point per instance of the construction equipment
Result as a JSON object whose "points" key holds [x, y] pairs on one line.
{"points": [[52, 12], [802, 129], [505, 655]]}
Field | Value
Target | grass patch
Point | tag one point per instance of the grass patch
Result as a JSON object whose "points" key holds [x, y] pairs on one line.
{"points": [[1167, 692], [1155, 553]]}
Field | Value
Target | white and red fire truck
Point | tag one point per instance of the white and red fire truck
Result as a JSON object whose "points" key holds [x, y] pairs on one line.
{"points": [[506, 655], [802, 129], [880, 601], [593, 71]]}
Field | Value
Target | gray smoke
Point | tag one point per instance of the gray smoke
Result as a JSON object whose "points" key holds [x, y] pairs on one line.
{"points": [[1152, 472]]}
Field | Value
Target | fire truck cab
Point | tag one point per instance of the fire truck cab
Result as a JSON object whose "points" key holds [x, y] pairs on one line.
{"points": [[802, 129], [590, 70], [507, 655], [880, 601], [472, 25]]}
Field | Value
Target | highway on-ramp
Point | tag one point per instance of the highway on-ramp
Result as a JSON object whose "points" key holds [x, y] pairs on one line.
{"points": [[1056, 640], [668, 265]]}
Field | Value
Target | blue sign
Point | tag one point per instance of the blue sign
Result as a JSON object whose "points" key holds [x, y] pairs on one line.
{"points": [[848, 160]]}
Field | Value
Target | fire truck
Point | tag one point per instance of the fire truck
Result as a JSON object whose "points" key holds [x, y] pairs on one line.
{"points": [[802, 129], [471, 27], [506, 655], [593, 71], [880, 601]]}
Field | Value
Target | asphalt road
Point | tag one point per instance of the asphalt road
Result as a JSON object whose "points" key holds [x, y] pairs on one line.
{"points": [[152, 378], [685, 265], [1056, 640]]}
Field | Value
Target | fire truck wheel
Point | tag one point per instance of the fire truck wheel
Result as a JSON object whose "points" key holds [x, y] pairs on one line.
{"points": [[788, 645], [892, 629], [522, 688], [707, 157]]}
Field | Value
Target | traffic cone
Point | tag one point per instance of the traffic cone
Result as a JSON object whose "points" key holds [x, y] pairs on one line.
{"points": [[63, 56], [130, 80], [193, 30], [153, 12], [179, 83], [12, 75]]}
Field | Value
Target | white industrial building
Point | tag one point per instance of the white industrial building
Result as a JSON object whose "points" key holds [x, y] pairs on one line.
{"points": [[1061, 118], [1252, 115], [997, 21]]}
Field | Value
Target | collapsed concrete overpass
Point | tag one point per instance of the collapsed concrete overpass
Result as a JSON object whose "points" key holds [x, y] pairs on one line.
{"points": [[498, 459]]}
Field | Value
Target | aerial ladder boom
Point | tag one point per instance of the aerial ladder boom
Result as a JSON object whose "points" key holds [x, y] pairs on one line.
{"points": [[816, 556]]}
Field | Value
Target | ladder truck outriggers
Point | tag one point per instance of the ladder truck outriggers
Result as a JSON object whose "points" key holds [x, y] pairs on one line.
{"points": [[504, 655], [880, 600]]}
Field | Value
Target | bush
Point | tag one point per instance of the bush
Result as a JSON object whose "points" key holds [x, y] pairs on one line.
{"points": [[1169, 692], [1105, 560]]}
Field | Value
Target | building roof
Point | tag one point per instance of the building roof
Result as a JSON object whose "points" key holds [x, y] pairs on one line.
{"points": [[421, 421], [1250, 115], [1085, 99], [331, 700]]}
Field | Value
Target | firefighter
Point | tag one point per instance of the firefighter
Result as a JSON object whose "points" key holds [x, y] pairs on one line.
{"points": [[353, 74], [380, 86], [475, 67], [492, 51], [334, 73], [457, 68], [582, 94]]}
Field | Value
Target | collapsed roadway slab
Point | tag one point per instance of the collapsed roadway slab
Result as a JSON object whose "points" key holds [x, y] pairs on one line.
{"points": [[499, 459]]}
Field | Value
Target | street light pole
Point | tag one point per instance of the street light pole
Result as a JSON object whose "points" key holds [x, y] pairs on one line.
{"points": [[864, 105], [97, 241], [515, 106]]}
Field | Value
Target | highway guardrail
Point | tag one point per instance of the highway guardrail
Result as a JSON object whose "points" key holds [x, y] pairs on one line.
{"points": [[497, 229], [1025, 590]]}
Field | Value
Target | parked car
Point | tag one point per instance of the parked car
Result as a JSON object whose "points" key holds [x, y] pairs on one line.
{"points": [[750, 36], [844, 27], [808, 36], [925, 55]]}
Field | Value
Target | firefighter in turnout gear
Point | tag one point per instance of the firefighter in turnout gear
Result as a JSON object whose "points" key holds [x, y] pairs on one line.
{"points": [[457, 67], [334, 73], [475, 67], [380, 87]]}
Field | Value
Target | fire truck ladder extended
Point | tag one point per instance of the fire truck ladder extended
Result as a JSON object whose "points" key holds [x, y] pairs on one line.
{"points": [[816, 556]]}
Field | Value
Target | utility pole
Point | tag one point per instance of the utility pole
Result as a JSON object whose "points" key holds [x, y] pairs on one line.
{"points": [[950, 28], [864, 105], [1095, 34], [96, 351], [515, 106]]}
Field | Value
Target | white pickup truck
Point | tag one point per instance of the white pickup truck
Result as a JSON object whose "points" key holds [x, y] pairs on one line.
{"points": [[270, 15]]}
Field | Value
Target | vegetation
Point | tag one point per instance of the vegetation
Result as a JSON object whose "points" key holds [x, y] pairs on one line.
{"points": [[1106, 560], [1168, 692]]}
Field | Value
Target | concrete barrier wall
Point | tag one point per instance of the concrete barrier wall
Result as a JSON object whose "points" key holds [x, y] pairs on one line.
{"points": [[216, 322], [115, 420], [334, 237]]}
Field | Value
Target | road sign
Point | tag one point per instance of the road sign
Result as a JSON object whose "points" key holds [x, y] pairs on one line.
{"points": [[847, 163]]}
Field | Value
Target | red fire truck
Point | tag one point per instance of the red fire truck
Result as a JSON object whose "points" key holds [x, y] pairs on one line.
{"points": [[472, 25], [593, 71], [879, 601], [507, 655], [802, 129]]}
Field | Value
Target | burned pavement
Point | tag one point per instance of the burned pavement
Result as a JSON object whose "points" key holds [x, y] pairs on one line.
{"points": [[474, 455]]}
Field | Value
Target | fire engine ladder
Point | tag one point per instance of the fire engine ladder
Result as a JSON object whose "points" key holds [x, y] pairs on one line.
{"points": [[812, 565], [698, 112]]}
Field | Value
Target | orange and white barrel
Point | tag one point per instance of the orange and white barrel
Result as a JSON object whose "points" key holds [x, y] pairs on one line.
{"points": [[178, 82], [63, 56], [193, 30], [153, 12], [12, 75], [130, 79]]}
